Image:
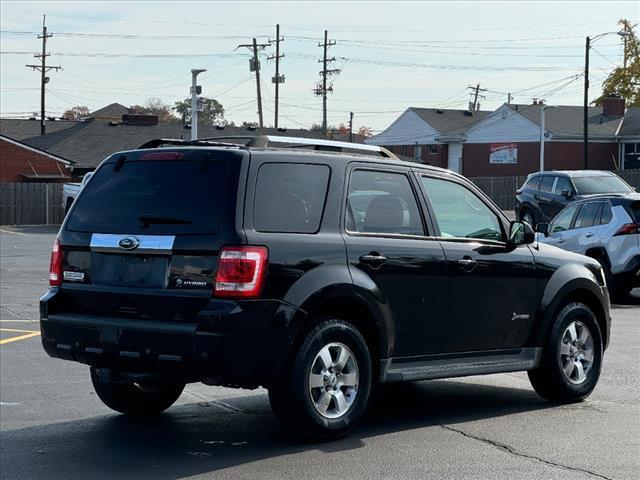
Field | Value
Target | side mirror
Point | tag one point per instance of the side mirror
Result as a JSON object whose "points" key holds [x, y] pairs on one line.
{"points": [[566, 194], [520, 233], [543, 228]]}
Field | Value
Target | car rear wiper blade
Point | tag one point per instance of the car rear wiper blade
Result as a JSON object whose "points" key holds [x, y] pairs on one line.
{"points": [[151, 218]]}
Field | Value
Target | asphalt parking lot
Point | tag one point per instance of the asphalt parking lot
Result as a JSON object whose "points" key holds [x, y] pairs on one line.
{"points": [[53, 426]]}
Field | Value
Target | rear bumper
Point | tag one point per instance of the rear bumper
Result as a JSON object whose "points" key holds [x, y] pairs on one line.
{"points": [[231, 344], [630, 273]]}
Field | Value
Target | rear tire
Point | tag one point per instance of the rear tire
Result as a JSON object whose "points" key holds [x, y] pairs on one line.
{"points": [[571, 358], [326, 389], [136, 400]]}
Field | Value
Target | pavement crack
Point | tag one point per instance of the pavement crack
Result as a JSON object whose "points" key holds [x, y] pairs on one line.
{"points": [[510, 450]]}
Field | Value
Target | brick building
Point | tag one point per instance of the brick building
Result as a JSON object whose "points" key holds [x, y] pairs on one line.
{"points": [[507, 141], [22, 163]]}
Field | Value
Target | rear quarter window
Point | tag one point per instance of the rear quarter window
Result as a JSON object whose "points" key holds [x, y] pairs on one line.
{"points": [[290, 197]]}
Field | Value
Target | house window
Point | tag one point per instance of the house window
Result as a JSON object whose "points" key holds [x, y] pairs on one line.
{"points": [[432, 149], [632, 155], [404, 150], [417, 153]]}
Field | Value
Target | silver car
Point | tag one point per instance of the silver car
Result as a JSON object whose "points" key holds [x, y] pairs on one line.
{"points": [[606, 228]]}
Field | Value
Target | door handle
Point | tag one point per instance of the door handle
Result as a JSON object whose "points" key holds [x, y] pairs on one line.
{"points": [[467, 263], [561, 240], [373, 258], [589, 235]]}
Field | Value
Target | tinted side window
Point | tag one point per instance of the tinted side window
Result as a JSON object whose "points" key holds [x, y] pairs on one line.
{"points": [[382, 202], [587, 215], [546, 185], [563, 183], [563, 221], [605, 214], [459, 212], [290, 197], [532, 183]]}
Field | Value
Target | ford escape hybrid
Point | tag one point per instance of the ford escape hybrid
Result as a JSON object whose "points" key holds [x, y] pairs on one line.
{"points": [[316, 271]]}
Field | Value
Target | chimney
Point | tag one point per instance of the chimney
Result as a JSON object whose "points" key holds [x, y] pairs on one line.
{"points": [[613, 105], [140, 120]]}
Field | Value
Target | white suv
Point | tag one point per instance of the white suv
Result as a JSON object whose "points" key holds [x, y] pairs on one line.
{"points": [[606, 228]]}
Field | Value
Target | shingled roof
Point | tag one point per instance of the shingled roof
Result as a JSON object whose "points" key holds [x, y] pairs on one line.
{"points": [[567, 120], [451, 122], [113, 111], [631, 123], [87, 143]]}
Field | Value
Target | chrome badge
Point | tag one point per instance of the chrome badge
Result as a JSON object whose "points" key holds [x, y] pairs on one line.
{"points": [[128, 243]]}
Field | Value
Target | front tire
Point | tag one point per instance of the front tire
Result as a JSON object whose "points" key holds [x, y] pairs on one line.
{"points": [[325, 391], [527, 216], [133, 399], [571, 358]]}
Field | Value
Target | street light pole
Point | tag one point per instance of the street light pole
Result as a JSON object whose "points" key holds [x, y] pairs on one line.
{"points": [[542, 132], [195, 91], [585, 127]]}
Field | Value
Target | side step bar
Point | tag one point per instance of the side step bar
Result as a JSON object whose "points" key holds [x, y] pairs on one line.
{"points": [[458, 365]]}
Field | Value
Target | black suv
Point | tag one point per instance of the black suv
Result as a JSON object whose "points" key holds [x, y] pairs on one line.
{"points": [[316, 274], [544, 194]]}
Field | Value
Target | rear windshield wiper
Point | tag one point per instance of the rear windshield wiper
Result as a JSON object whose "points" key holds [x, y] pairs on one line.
{"points": [[151, 218]]}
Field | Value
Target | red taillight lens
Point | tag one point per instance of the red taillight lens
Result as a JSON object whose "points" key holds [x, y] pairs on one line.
{"points": [[628, 229], [55, 267], [241, 272]]}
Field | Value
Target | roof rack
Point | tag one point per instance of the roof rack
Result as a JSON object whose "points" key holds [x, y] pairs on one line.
{"points": [[263, 141], [319, 144], [158, 142]]}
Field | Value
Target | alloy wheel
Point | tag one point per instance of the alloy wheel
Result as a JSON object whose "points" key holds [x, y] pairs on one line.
{"points": [[333, 380], [576, 352]]}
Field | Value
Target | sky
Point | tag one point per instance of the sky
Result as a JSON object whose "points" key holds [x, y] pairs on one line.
{"points": [[391, 55]]}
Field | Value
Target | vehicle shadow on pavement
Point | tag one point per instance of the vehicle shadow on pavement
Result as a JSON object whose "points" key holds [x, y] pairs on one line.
{"points": [[631, 300], [205, 437]]}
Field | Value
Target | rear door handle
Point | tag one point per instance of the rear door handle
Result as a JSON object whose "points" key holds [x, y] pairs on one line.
{"points": [[589, 235], [373, 259], [467, 263]]}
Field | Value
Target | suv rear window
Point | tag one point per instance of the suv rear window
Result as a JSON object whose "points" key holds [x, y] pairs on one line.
{"points": [[290, 197], [546, 185], [152, 197], [600, 184]]}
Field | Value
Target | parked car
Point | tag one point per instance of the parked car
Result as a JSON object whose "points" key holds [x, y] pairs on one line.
{"points": [[316, 274], [70, 191], [544, 194], [606, 228]]}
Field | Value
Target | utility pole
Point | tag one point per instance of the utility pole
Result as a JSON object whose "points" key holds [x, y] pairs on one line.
{"points": [[322, 88], [509, 98], [585, 120], [351, 127], [475, 106], [43, 68], [254, 66], [278, 79]]}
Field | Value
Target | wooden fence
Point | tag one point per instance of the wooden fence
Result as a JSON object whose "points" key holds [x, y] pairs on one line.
{"points": [[502, 190], [31, 204]]}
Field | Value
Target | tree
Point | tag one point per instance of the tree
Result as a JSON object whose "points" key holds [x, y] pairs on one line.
{"points": [[625, 81], [155, 106], [77, 112], [212, 111], [365, 131]]}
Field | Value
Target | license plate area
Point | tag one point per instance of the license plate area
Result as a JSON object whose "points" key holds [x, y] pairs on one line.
{"points": [[129, 270]]}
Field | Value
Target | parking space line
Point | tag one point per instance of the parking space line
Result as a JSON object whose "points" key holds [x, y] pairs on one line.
{"points": [[19, 337], [14, 330], [18, 321], [13, 233]]}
